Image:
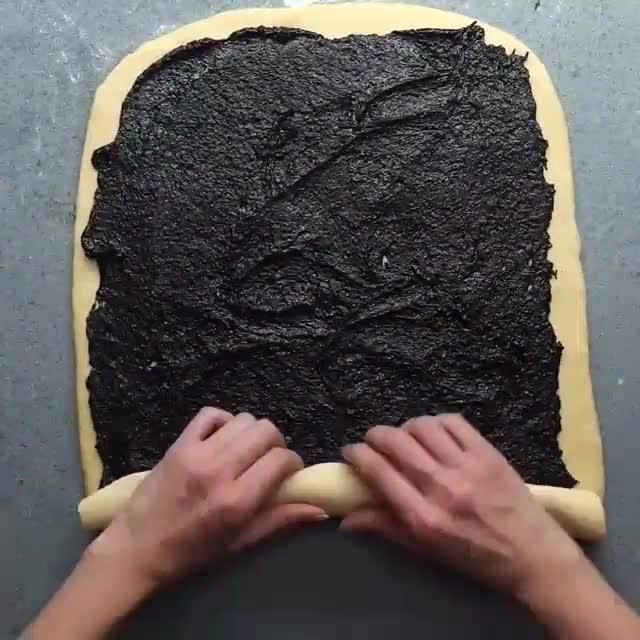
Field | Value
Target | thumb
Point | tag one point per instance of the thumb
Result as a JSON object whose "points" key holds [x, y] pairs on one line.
{"points": [[276, 518], [381, 523]]}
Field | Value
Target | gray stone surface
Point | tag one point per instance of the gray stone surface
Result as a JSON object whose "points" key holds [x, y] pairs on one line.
{"points": [[54, 54]]}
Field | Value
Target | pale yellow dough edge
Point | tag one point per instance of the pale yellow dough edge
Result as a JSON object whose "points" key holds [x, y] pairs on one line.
{"points": [[580, 436], [334, 487]]}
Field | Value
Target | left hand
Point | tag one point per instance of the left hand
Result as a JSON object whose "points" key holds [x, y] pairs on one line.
{"points": [[210, 495]]}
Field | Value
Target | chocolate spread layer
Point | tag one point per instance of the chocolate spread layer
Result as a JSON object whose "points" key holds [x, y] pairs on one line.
{"points": [[331, 233]]}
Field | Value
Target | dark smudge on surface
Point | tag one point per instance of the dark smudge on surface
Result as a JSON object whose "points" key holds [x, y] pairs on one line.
{"points": [[331, 233]]}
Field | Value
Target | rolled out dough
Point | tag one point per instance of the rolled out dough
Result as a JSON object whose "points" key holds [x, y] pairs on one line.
{"points": [[579, 439]]}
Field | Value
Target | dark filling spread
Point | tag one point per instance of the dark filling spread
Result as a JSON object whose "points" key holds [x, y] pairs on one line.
{"points": [[331, 233]]}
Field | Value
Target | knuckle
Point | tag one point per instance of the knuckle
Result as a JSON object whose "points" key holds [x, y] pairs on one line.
{"points": [[364, 459], [501, 474], [487, 467], [213, 472], [196, 480], [377, 431], [452, 417], [229, 508], [266, 424], [288, 459], [199, 472], [418, 424], [270, 429], [455, 422], [413, 423], [436, 527], [423, 477], [178, 455], [491, 465], [423, 523], [460, 494], [462, 499], [381, 435], [416, 523], [217, 414]]}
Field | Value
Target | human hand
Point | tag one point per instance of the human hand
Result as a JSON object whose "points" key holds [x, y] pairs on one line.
{"points": [[208, 496], [445, 490]]}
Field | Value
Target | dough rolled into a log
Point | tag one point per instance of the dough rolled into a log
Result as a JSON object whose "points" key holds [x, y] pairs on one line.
{"points": [[334, 487]]}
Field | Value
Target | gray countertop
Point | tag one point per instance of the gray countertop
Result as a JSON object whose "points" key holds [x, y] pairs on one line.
{"points": [[56, 52]]}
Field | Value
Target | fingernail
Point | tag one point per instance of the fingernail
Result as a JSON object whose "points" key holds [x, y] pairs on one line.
{"points": [[349, 527], [346, 450], [319, 517]]}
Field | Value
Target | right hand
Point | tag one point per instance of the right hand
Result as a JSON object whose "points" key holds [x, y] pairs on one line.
{"points": [[444, 489]]}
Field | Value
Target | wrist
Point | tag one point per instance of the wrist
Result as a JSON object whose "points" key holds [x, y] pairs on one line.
{"points": [[556, 584], [580, 603], [100, 592], [113, 559]]}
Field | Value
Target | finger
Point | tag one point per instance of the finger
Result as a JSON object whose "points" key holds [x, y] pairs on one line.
{"points": [[405, 453], [275, 519], [381, 476], [263, 478], [206, 421], [467, 437], [231, 430], [380, 523], [435, 439], [253, 443]]}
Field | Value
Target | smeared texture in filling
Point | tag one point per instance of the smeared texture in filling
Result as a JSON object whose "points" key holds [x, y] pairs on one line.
{"points": [[331, 233]]}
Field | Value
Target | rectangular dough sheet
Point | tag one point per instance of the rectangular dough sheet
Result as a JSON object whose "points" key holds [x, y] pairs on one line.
{"points": [[580, 436]]}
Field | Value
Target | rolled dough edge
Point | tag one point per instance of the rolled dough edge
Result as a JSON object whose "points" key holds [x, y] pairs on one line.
{"points": [[334, 487]]}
